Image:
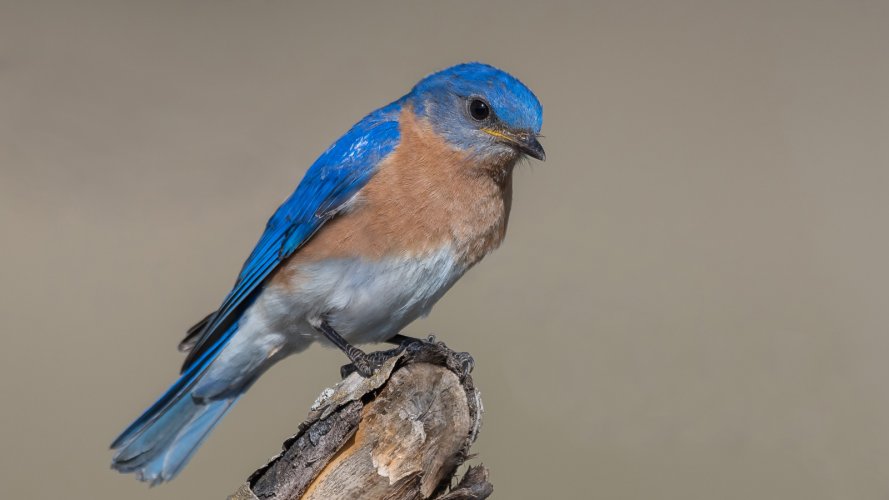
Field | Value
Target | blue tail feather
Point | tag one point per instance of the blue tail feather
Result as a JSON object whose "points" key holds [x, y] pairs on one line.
{"points": [[161, 441], [162, 450]]}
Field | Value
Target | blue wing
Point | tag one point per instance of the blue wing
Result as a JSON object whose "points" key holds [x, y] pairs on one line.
{"points": [[331, 181]]}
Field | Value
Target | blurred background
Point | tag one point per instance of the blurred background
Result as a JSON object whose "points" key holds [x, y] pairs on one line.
{"points": [[692, 301]]}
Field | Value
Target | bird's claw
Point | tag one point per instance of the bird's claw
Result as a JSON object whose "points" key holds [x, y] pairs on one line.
{"points": [[467, 362], [368, 363], [362, 365]]}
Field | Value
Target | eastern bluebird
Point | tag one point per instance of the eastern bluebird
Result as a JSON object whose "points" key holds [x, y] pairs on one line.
{"points": [[380, 227]]}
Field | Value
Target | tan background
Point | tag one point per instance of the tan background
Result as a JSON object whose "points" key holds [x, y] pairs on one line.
{"points": [[692, 302]]}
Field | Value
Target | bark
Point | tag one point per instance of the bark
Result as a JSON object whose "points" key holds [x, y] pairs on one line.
{"points": [[400, 434]]}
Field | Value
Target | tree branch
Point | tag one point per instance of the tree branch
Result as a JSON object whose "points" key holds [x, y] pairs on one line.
{"points": [[400, 434]]}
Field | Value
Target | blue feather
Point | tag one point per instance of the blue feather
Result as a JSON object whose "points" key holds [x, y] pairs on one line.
{"points": [[161, 441], [159, 452], [184, 383]]}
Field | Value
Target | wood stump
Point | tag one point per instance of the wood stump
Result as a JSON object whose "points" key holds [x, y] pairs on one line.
{"points": [[400, 434]]}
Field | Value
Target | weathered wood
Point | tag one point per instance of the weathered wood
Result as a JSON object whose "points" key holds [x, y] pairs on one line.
{"points": [[400, 434]]}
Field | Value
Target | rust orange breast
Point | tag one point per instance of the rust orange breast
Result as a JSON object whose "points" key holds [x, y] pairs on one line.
{"points": [[424, 196]]}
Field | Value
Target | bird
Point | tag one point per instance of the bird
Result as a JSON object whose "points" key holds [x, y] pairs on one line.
{"points": [[381, 225]]}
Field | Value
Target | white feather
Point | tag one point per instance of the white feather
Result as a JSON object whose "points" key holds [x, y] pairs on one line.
{"points": [[365, 301]]}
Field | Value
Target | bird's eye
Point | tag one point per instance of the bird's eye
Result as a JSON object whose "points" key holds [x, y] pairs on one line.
{"points": [[479, 109]]}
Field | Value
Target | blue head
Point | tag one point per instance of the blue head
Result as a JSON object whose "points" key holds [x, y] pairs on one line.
{"points": [[481, 109]]}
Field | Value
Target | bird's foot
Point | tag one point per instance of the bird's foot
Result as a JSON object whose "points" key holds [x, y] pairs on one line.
{"points": [[467, 363], [368, 363], [461, 363]]}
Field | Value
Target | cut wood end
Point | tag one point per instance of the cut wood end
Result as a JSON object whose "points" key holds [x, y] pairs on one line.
{"points": [[400, 434]]}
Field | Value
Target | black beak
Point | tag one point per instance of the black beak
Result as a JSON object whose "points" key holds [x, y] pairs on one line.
{"points": [[531, 147], [524, 141]]}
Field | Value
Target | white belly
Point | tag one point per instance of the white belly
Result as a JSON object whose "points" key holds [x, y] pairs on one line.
{"points": [[365, 301]]}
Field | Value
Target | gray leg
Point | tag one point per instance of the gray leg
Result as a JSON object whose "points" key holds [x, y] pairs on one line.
{"points": [[363, 363]]}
